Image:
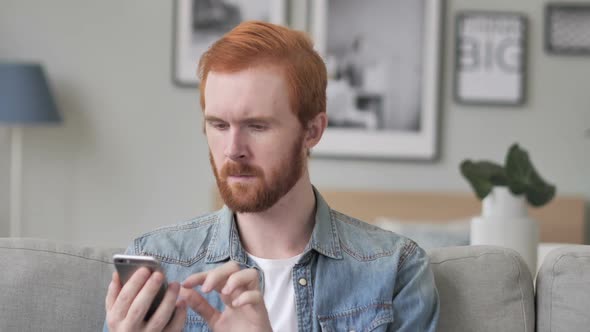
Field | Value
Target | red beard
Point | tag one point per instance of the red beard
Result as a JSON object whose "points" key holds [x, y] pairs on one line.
{"points": [[264, 192]]}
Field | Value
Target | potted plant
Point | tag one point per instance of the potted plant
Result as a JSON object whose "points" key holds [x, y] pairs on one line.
{"points": [[505, 191], [518, 175]]}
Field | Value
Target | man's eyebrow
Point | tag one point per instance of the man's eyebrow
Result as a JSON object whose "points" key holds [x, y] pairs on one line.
{"points": [[249, 120], [258, 119], [210, 118]]}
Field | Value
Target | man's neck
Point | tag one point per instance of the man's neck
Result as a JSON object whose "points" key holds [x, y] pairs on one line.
{"points": [[284, 230]]}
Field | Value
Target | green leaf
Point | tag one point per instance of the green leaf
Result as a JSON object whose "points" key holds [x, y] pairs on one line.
{"points": [[539, 192], [483, 176], [540, 195], [518, 169], [524, 179]]}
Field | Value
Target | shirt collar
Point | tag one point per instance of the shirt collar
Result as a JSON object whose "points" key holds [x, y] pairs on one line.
{"points": [[324, 238], [225, 241]]}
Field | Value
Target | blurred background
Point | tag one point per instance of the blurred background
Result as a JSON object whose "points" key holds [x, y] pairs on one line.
{"points": [[130, 154]]}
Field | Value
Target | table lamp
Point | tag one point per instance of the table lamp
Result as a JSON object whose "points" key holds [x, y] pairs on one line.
{"points": [[25, 99]]}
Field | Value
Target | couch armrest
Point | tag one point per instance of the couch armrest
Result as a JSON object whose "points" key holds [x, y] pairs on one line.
{"points": [[563, 290], [483, 288], [48, 286]]}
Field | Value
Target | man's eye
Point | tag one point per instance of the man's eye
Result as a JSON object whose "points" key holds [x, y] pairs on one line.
{"points": [[219, 125], [257, 127]]}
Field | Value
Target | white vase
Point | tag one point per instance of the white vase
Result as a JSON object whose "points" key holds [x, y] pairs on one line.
{"points": [[505, 222]]}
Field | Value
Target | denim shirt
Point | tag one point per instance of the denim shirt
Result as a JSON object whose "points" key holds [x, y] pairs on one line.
{"points": [[352, 276]]}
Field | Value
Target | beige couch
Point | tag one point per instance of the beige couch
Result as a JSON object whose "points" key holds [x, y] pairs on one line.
{"points": [[47, 286]]}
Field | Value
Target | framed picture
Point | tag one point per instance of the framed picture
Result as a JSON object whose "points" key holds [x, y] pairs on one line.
{"points": [[383, 77], [567, 28], [490, 58], [199, 23]]}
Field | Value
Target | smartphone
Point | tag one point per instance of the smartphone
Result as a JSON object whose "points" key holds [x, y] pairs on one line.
{"points": [[126, 265]]}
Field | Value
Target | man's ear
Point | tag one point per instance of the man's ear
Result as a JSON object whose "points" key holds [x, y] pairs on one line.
{"points": [[315, 130]]}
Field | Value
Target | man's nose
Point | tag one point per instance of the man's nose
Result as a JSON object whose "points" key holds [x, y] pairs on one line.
{"points": [[235, 148]]}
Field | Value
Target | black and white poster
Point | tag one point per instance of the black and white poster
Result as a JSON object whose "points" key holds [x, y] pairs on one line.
{"points": [[382, 62], [490, 66], [199, 23]]}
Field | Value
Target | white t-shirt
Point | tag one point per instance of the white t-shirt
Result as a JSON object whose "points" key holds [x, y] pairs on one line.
{"points": [[279, 294]]}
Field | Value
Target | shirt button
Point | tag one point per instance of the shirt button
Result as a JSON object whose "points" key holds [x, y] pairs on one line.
{"points": [[303, 282]]}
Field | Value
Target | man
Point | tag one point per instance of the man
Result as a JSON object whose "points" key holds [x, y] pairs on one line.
{"points": [[276, 257]]}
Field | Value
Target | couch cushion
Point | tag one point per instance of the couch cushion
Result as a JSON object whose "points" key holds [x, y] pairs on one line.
{"points": [[563, 290], [52, 287], [483, 288]]}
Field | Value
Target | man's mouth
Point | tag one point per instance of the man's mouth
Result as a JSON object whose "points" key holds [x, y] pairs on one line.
{"points": [[240, 177]]}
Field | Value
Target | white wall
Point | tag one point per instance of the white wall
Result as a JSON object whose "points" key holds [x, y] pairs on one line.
{"points": [[131, 156]]}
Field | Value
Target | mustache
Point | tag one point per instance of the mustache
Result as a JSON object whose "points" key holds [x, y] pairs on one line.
{"points": [[239, 169]]}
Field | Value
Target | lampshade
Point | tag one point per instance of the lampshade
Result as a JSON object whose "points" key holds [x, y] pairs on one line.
{"points": [[24, 95]]}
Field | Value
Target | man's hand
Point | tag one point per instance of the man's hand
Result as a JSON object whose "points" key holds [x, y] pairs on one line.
{"points": [[126, 307], [239, 290]]}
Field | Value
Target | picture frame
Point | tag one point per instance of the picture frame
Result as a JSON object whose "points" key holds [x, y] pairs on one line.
{"points": [[383, 77], [199, 23], [490, 58], [567, 29]]}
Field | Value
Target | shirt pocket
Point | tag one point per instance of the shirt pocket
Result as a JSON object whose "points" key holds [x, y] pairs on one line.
{"points": [[195, 323], [372, 317]]}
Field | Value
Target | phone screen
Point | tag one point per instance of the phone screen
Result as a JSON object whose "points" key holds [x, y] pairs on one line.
{"points": [[126, 265]]}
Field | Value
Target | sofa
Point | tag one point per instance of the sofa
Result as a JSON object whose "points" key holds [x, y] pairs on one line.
{"points": [[49, 286]]}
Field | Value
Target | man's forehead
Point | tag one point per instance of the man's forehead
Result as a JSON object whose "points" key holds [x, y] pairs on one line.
{"points": [[254, 92], [253, 74]]}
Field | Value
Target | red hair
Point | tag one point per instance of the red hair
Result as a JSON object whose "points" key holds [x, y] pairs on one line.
{"points": [[255, 43]]}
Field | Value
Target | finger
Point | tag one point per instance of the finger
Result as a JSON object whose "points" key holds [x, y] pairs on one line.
{"points": [[113, 291], [216, 278], [177, 322], [251, 297], [201, 277], [247, 279], [142, 302], [164, 312], [129, 292], [200, 305], [228, 299], [194, 280]]}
